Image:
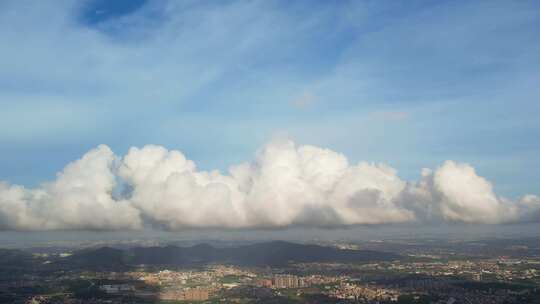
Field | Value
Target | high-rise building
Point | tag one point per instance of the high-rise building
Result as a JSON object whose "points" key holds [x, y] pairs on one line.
{"points": [[196, 294], [287, 281]]}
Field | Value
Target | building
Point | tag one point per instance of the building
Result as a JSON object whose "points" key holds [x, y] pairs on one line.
{"points": [[287, 281], [117, 288], [264, 283], [196, 294], [171, 295]]}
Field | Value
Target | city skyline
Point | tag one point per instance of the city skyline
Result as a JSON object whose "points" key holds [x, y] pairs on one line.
{"points": [[269, 151]]}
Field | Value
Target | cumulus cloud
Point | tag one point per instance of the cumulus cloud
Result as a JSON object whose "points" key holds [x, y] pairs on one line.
{"points": [[455, 193], [284, 185], [79, 198]]}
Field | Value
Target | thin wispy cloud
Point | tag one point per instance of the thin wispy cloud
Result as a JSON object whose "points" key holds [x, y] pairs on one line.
{"points": [[391, 115], [304, 100]]}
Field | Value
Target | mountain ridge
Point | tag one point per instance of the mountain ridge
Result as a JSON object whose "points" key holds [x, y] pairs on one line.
{"points": [[274, 253]]}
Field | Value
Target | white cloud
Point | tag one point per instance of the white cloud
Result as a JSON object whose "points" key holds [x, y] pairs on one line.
{"points": [[79, 198], [455, 193], [285, 185]]}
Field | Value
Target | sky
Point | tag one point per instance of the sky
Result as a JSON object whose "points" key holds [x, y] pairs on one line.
{"points": [[410, 85]]}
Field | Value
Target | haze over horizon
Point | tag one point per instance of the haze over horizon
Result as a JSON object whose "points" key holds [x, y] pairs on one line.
{"points": [[254, 116]]}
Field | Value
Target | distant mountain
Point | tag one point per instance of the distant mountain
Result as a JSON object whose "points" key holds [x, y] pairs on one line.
{"points": [[274, 254], [279, 253], [173, 255], [97, 259], [10, 258]]}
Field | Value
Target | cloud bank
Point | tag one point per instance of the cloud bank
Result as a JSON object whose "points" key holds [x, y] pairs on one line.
{"points": [[285, 185]]}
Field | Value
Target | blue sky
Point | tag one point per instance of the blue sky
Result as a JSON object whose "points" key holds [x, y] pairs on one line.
{"points": [[410, 83]]}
